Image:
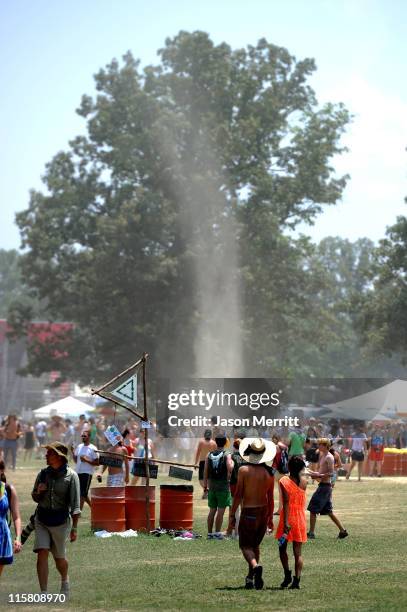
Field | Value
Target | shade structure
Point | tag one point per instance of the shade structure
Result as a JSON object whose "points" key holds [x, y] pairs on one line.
{"points": [[66, 407], [390, 401]]}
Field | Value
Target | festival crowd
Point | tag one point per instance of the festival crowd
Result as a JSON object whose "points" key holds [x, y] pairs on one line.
{"points": [[236, 470]]}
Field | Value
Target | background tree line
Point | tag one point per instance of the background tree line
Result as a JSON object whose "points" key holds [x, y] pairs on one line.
{"points": [[212, 142]]}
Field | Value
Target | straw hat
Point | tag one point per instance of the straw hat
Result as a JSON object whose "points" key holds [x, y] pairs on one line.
{"points": [[59, 448], [257, 450]]}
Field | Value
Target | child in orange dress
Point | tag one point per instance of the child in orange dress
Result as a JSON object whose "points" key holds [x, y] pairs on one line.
{"points": [[292, 526]]}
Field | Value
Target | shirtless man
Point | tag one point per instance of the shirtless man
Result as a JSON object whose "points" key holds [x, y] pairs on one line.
{"points": [[321, 501], [11, 433], [205, 446], [254, 491], [115, 473]]}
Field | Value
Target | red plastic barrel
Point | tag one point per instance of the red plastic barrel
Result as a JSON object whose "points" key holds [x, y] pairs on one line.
{"points": [[391, 464], [176, 506], [108, 508], [136, 508]]}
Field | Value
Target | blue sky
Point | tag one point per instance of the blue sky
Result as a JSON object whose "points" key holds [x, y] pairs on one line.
{"points": [[50, 51]]}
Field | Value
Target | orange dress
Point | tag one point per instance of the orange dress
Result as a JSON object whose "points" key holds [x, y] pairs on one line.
{"points": [[296, 512]]}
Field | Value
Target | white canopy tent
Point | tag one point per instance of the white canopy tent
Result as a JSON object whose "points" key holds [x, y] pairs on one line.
{"points": [[386, 401], [66, 407]]}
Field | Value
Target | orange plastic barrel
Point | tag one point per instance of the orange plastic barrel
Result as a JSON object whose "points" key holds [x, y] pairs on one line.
{"points": [[136, 508], [176, 506], [108, 509]]}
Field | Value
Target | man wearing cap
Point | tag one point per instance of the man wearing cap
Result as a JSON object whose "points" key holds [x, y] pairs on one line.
{"points": [[205, 446], [254, 491], [57, 492]]}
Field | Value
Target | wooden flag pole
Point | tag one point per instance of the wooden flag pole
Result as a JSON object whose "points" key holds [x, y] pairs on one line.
{"points": [[153, 460], [146, 461]]}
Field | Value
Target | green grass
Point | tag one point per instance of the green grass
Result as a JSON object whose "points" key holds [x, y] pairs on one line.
{"points": [[367, 571]]}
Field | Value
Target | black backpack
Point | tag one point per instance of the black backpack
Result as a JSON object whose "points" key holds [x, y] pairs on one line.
{"points": [[217, 469], [237, 463]]}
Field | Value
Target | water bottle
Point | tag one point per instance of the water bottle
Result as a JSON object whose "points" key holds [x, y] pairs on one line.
{"points": [[282, 540]]}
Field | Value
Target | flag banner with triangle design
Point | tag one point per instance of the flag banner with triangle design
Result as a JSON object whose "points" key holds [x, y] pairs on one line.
{"points": [[123, 388], [127, 391]]}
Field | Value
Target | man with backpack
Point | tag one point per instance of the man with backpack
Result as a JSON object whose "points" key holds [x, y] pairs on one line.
{"points": [[57, 492], [217, 473]]}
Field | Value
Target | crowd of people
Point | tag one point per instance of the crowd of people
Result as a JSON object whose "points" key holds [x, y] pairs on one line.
{"points": [[236, 470], [22, 440]]}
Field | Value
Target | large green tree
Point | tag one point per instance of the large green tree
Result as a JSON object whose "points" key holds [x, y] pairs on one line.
{"points": [[342, 278], [383, 311], [211, 142]]}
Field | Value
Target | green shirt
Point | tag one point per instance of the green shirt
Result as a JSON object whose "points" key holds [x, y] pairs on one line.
{"points": [[297, 440], [63, 491]]}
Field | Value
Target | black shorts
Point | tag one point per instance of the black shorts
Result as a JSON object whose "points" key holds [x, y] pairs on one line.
{"points": [[252, 526], [311, 455], [84, 483], [201, 470], [321, 501], [358, 456]]}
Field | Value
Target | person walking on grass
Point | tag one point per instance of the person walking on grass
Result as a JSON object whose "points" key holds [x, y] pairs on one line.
{"points": [[205, 446], [292, 526], [29, 441], [86, 459], [321, 501], [217, 472], [376, 452], [11, 432], [8, 504], [359, 447], [57, 492], [254, 492]]}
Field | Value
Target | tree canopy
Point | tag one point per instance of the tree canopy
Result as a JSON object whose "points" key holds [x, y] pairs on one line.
{"points": [[204, 163], [383, 310]]}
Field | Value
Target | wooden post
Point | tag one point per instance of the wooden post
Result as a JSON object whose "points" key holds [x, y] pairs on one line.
{"points": [[146, 458]]}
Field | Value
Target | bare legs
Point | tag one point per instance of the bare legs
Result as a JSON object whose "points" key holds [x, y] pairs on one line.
{"points": [[42, 568], [352, 465], [252, 556], [298, 564], [377, 465], [219, 519], [332, 516], [87, 500]]}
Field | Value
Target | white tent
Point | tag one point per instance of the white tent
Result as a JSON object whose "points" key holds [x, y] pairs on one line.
{"points": [[386, 401], [66, 407]]}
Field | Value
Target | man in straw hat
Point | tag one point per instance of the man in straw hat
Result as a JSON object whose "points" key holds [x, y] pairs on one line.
{"points": [[254, 491], [57, 492]]}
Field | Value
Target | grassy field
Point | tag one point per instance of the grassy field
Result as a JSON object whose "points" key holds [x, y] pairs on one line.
{"points": [[367, 571]]}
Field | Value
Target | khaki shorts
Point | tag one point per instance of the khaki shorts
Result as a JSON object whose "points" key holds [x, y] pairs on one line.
{"points": [[52, 538]]}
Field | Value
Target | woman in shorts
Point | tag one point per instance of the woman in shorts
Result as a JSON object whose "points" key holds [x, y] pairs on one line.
{"points": [[376, 452], [359, 445]]}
